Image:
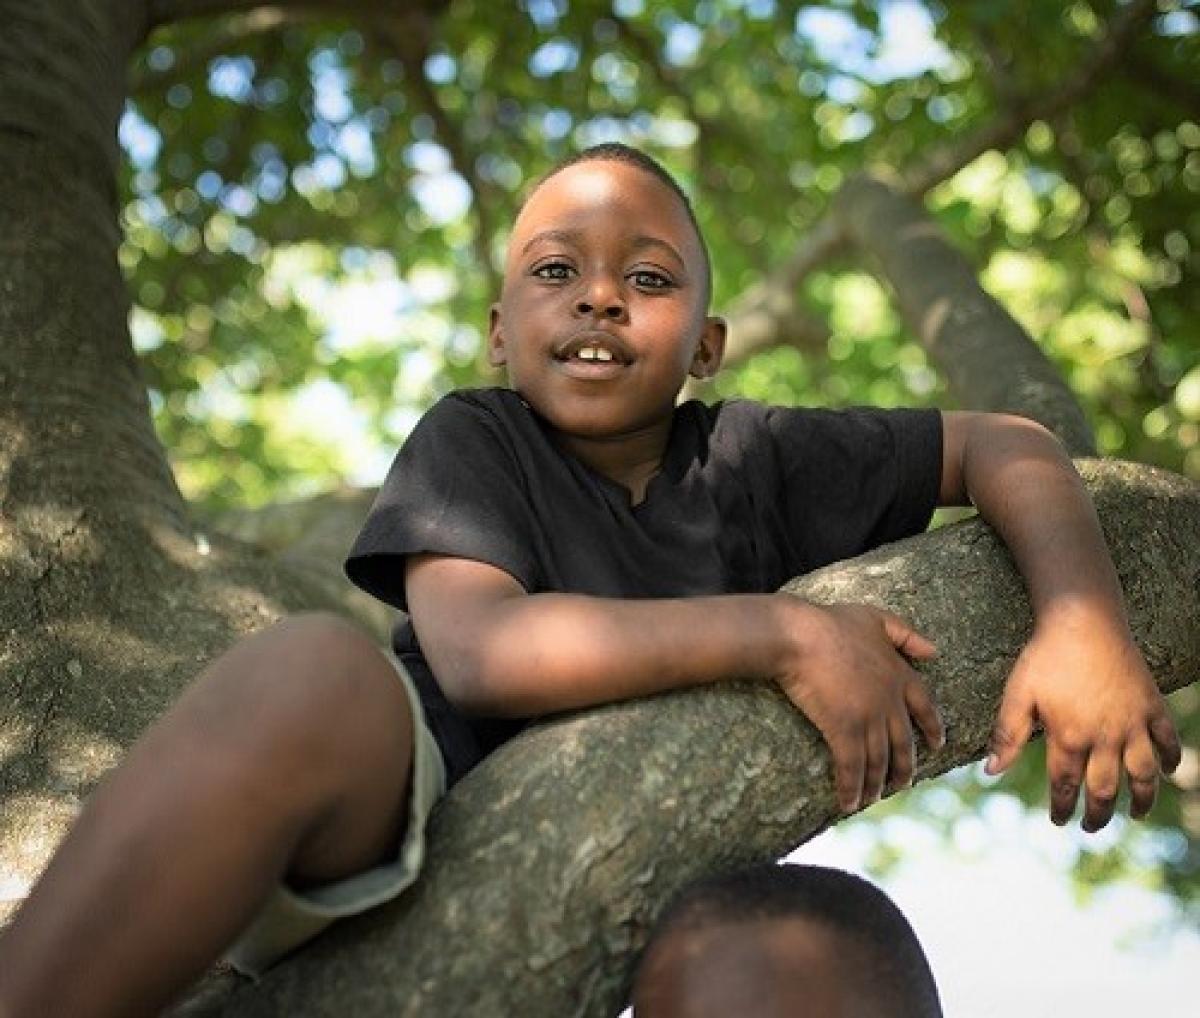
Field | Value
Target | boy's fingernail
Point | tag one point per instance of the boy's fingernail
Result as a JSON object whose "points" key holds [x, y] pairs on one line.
{"points": [[992, 764]]}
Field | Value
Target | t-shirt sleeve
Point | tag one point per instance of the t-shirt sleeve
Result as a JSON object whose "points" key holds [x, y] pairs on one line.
{"points": [[855, 479], [453, 489]]}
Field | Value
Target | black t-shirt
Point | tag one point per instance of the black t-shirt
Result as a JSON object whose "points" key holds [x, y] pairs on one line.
{"points": [[748, 497]]}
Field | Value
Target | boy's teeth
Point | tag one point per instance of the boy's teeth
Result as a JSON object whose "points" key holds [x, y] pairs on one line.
{"points": [[594, 353]]}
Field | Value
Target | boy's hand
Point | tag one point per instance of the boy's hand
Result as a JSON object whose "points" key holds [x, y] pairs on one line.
{"points": [[849, 676], [1101, 712]]}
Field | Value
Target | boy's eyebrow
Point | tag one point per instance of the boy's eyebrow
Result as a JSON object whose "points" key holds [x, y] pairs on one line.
{"points": [[573, 237]]}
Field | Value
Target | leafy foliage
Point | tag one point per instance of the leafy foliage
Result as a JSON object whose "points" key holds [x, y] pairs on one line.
{"points": [[315, 211]]}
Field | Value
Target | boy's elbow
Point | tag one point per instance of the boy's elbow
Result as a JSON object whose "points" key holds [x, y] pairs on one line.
{"points": [[475, 686], [997, 440], [992, 428]]}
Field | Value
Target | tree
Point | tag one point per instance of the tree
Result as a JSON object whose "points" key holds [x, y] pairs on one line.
{"points": [[114, 590]]}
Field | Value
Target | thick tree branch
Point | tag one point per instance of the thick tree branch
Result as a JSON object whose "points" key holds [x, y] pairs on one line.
{"points": [[989, 360], [548, 864], [311, 536]]}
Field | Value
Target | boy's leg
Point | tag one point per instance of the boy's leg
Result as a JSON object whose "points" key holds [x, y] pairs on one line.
{"points": [[290, 756]]}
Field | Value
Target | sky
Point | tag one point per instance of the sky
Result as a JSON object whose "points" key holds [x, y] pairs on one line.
{"points": [[1005, 936]]}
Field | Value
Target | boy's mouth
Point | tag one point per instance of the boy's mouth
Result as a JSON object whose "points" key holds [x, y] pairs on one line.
{"points": [[596, 348]]}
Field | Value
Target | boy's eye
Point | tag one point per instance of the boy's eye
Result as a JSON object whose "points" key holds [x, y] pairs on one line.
{"points": [[645, 279], [555, 271]]}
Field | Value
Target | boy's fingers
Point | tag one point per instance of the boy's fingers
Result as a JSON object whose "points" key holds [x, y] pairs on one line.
{"points": [[1142, 768], [900, 739], [1103, 783], [924, 712], [1014, 725], [877, 762], [905, 639], [849, 760], [1166, 740], [1065, 769]]}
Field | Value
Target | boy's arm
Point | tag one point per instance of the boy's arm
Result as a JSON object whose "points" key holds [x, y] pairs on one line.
{"points": [[1081, 675], [499, 651]]}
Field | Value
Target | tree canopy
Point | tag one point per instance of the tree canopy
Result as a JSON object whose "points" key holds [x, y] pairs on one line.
{"points": [[280, 155]]}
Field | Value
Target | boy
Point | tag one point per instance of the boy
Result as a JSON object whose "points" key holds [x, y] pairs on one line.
{"points": [[784, 942], [312, 763]]}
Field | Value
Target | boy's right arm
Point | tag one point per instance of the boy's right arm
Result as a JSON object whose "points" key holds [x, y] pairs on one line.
{"points": [[499, 651]]}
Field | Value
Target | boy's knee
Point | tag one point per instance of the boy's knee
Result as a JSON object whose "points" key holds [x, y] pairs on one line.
{"points": [[322, 656], [310, 683]]}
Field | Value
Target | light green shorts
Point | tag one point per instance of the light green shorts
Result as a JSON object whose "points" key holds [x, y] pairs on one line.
{"points": [[290, 917]]}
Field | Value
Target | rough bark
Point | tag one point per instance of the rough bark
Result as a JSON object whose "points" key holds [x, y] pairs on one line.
{"points": [[110, 600], [988, 359], [549, 863]]}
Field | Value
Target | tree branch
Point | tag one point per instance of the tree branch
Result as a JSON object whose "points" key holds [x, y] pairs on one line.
{"points": [[989, 360], [548, 864], [826, 238]]}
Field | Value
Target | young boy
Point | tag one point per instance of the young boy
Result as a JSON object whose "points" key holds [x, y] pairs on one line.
{"points": [[784, 942], [571, 541]]}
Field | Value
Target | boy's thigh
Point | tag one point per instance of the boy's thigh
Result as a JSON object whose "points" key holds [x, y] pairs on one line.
{"points": [[292, 916]]}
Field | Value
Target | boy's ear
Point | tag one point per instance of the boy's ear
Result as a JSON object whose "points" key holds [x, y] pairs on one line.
{"points": [[497, 357], [710, 349]]}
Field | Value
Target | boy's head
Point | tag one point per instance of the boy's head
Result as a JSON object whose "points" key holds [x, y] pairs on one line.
{"points": [[603, 314], [616, 152], [775, 941]]}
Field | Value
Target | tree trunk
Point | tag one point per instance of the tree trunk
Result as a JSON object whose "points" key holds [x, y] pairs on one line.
{"points": [[548, 864], [109, 601]]}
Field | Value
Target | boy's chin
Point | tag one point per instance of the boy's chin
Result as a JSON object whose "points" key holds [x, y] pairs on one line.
{"points": [[599, 420]]}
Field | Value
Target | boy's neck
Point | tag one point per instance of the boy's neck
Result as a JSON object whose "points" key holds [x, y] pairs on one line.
{"points": [[630, 460]]}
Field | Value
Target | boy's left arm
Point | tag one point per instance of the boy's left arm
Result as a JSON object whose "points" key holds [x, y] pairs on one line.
{"points": [[1081, 674]]}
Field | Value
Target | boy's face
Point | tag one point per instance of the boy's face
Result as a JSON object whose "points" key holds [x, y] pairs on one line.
{"points": [[602, 316]]}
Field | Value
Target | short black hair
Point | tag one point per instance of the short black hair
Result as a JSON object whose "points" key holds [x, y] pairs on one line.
{"points": [[841, 902], [618, 152]]}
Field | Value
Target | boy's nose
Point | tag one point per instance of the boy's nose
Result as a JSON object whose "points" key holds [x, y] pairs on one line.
{"points": [[614, 310], [603, 300]]}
